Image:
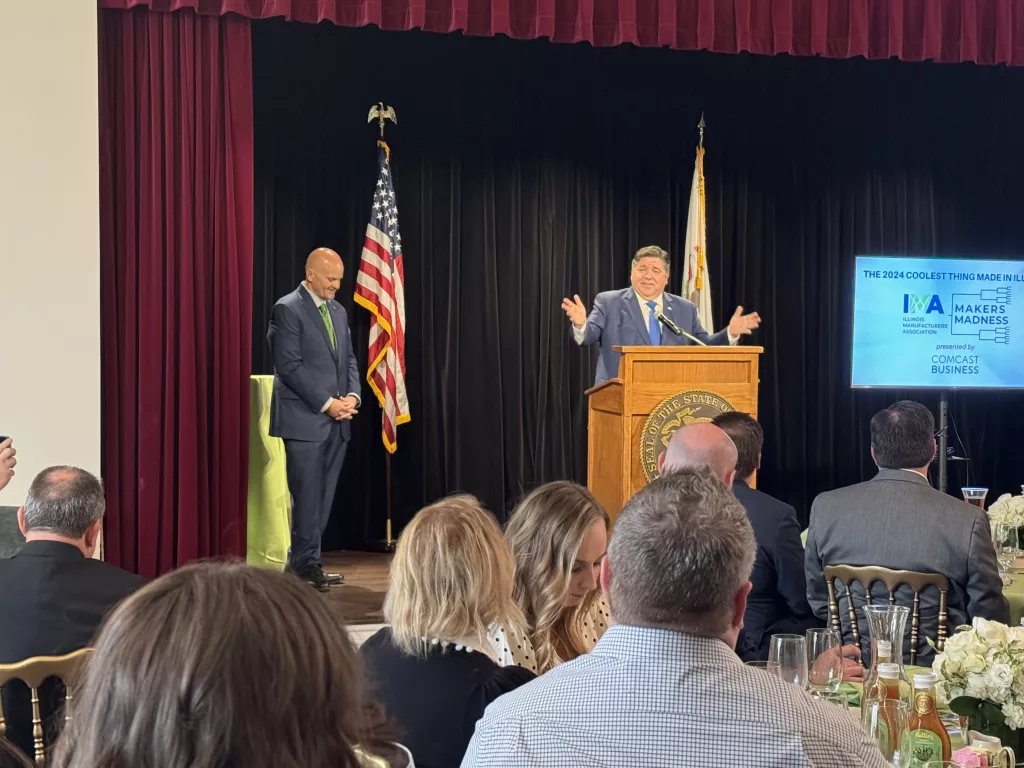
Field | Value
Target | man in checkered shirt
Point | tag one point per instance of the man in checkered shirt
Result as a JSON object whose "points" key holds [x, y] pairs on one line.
{"points": [[663, 686]]}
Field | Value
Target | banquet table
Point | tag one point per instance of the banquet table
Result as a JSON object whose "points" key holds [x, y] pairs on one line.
{"points": [[1015, 595]]}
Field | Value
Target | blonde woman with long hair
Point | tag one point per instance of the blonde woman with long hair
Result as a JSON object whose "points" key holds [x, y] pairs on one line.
{"points": [[433, 669], [559, 536]]}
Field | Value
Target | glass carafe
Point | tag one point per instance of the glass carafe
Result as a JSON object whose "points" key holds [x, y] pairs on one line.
{"points": [[886, 625]]}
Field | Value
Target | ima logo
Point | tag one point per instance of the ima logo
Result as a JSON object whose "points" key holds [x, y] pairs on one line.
{"points": [[915, 305]]}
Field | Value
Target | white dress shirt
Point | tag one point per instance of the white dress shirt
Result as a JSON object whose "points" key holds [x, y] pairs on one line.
{"points": [[318, 301], [917, 472], [645, 312]]}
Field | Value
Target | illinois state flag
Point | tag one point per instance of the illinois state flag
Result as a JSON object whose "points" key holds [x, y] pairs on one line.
{"points": [[696, 281]]}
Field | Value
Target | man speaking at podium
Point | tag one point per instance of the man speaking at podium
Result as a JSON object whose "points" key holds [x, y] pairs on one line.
{"points": [[644, 314]]}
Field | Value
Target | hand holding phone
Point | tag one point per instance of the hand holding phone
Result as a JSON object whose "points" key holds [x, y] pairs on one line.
{"points": [[7, 460]]}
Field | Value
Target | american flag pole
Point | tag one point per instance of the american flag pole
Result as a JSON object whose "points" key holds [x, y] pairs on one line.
{"points": [[380, 289]]}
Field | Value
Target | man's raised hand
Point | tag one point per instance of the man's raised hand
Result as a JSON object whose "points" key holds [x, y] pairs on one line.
{"points": [[575, 311]]}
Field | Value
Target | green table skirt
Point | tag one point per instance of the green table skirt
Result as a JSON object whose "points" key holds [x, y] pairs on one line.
{"points": [[1015, 596], [269, 504]]}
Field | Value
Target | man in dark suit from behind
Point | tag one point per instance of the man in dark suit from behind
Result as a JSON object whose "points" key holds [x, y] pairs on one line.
{"points": [[53, 594], [897, 520], [777, 603]]}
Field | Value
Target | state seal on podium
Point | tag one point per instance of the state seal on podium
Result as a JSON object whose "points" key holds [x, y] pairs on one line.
{"points": [[678, 410]]}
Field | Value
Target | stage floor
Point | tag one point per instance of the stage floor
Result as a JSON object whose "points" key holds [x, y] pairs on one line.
{"points": [[361, 598]]}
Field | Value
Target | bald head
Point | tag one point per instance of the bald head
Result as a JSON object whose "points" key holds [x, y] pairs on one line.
{"points": [[701, 445], [324, 271]]}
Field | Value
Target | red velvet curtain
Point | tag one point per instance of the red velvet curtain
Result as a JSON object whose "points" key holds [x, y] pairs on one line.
{"points": [[980, 31], [176, 209]]}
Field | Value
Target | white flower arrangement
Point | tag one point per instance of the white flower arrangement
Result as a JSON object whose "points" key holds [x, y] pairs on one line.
{"points": [[1007, 509], [983, 665]]}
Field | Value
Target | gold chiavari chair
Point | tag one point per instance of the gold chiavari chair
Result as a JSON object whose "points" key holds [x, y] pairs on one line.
{"points": [[893, 580], [33, 672]]}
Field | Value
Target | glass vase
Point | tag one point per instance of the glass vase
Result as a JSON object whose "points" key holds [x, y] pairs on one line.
{"points": [[886, 623]]}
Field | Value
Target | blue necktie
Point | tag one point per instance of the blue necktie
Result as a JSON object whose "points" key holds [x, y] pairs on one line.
{"points": [[653, 326]]}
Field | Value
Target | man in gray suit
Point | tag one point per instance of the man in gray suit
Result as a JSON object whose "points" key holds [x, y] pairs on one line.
{"points": [[897, 520], [629, 317], [316, 394]]}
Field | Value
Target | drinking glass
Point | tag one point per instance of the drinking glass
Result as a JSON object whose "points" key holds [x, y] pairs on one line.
{"points": [[974, 495], [824, 659], [838, 698], [1008, 544], [886, 723], [771, 667], [1004, 539], [790, 653]]}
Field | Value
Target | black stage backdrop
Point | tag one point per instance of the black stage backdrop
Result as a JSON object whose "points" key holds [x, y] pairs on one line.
{"points": [[527, 171]]}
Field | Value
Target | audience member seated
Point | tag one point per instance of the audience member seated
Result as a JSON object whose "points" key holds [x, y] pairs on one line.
{"points": [[664, 686], [53, 594], [220, 665], [433, 669], [707, 445], [897, 520], [558, 535], [777, 603], [700, 445]]}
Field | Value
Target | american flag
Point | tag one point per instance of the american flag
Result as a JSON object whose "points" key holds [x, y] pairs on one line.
{"points": [[380, 288]]}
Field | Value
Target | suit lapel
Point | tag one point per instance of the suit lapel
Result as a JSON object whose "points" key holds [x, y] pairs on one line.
{"points": [[318, 320], [633, 310]]}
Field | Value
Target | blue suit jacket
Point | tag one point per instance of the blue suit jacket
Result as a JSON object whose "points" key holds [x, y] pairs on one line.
{"points": [[307, 370], [616, 321]]}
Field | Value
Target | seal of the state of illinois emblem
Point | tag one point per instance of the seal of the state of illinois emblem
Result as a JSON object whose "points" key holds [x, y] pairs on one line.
{"points": [[682, 408]]}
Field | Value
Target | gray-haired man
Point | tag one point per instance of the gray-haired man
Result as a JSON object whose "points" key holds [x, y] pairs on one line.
{"points": [[53, 595], [663, 686]]}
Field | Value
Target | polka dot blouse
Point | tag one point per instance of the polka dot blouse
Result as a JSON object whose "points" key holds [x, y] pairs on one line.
{"points": [[513, 648]]}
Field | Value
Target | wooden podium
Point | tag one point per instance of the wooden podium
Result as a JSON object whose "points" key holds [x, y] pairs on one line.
{"points": [[659, 389]]}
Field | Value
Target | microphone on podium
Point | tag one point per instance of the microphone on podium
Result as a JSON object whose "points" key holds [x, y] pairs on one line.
{"points": [[676, 329]]}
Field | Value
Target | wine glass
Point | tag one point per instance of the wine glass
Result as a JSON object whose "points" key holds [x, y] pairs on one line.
{"points": [[771, 667], [1004, 539], [790, 653], [839, 698], [824, 659]]}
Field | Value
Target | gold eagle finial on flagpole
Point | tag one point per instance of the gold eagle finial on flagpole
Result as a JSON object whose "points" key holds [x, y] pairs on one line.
{"points": [[381, 113]]}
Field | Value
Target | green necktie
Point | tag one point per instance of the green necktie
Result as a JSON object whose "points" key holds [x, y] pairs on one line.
{"points": [[328, 325]]}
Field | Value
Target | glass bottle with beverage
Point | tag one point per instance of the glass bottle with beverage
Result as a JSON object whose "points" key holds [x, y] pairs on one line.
{"points": [[929, 740], [882, 702]]}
